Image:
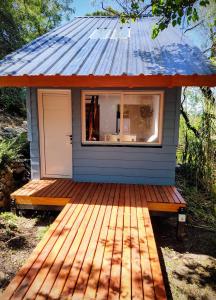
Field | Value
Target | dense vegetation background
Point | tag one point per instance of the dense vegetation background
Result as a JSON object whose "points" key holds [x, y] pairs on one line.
{"points": [[21, 21]]}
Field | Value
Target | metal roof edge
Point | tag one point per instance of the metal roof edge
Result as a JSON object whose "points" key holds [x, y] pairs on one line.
{"points": [[105, 81]]}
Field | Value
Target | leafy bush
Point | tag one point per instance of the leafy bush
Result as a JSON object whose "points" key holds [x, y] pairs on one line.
{"points": [[12, 101], [201, 205], [197, 149], [13, 149], [9, 217]]}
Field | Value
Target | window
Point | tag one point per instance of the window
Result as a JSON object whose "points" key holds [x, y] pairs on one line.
{"points": [[101, 33], [122, 33], [126, 118]]}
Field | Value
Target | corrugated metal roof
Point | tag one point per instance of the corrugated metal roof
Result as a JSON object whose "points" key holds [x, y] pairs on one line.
{"points": [[104, 46]]}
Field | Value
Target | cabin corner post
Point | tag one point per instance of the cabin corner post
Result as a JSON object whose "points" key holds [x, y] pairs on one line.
{"points": [[181, 223], [13, 206], [33, 132]]}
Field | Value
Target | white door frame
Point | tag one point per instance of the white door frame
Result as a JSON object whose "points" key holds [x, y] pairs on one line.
{"points": [[40, 93]]}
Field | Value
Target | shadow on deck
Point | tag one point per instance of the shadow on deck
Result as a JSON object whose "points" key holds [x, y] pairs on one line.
{"points": [[101, 246], [58, 192]]}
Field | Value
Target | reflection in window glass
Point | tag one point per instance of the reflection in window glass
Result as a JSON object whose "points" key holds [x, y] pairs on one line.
{"points": [[141, 118], [139, 122], [102, 117]]}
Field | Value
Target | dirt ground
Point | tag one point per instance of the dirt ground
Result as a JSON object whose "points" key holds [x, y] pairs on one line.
{"points": [[189, 267], [18, 238]]}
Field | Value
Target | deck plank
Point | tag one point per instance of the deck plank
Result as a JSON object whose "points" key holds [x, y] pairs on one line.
{"points": [[57, 192], [137, 284], [148, 287], [53, 258], [173, 194], [103, 284], [162, 194], [126, 251], [51, 277], [55, 188], [115, 274], [86, 283], [30, 276], [181, 199], [54, 229], [87, 248], [64, 273], [159, 288], [93, 260], [101, 246], [44, 191]]}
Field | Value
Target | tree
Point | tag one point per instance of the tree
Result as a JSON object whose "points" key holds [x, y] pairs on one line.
{"points": [[107, 13], [23, 20], [20, 22], [168, 11]]}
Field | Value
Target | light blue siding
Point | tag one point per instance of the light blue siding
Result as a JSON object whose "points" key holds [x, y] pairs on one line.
{"points": [[33, 132], [128, 164], [150, 165]]}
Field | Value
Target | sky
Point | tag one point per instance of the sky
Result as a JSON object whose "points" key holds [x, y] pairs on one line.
{"points": [[82, 7]]}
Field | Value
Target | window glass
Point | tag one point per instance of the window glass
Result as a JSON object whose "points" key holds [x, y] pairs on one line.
{"points": [[122, 117], [121, 33], [102, 117], [101, 33], [141, 118]]}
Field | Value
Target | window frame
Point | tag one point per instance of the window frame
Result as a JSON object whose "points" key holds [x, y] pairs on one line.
{"points": [[121, 93]]}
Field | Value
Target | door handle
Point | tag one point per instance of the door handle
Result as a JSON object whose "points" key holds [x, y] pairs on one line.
{"points": [[71, 137]]}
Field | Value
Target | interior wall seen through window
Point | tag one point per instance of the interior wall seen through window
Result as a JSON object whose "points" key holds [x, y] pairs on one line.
{"points": [[132, 118]]}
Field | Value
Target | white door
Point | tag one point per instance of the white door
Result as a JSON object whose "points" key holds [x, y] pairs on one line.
{"points": [[55, 127]]}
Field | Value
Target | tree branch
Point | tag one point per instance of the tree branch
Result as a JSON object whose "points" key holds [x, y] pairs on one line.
{"points": [[207, 50], [186, 118], [208, 94], [187, 122], [198, 24]]}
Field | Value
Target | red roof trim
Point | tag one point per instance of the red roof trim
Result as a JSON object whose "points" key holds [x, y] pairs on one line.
{"points": [[108, 81]]}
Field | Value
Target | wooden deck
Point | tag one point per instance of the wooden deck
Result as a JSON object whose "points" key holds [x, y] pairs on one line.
{"points": [[57, 192], [101, 246]]}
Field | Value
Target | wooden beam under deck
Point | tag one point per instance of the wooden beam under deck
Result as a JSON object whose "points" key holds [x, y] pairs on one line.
{"points": [[57, 192]]}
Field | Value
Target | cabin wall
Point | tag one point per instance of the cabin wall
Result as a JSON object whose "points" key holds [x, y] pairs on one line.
{"points": [[33, 133], [122, 164], [128, 164]]}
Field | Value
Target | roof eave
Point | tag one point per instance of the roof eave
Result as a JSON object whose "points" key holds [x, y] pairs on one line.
{"points": [[108, 81]]}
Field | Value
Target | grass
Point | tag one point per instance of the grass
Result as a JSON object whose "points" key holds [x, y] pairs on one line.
{"points": [[201, 205], [8, 217], [41, 232]]}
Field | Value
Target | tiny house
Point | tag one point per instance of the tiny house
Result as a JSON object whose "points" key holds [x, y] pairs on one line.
{"points": [[103, 108], [104, 99]]}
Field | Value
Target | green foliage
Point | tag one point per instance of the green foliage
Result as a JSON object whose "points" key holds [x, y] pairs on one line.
{"points": [[109, 12], [197, 153], [10, 219], [20, 22], [12, 149], [23, 20], [173, 12], [41, 232], [12, 101], [201, 205]]}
